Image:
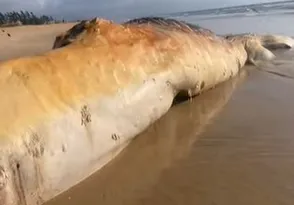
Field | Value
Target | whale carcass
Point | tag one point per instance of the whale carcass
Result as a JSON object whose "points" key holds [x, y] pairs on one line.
{"points": [[67, 112]]}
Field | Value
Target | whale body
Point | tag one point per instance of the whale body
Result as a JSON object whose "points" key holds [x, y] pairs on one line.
{"points": [[68, 112]]}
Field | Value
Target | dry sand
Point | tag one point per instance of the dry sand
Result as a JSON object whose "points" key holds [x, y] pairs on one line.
{"points": [[28, 40], [231, 145]]}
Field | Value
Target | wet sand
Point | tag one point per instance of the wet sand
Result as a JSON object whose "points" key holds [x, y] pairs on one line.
{"points": [[231, 145]]}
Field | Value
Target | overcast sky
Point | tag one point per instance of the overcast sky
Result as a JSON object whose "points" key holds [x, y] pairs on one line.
{"points": [[73, 9]]}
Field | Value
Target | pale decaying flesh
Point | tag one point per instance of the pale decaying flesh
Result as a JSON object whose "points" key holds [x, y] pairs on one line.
{"points": [[269, 41], [68, 112], [258, 46]]}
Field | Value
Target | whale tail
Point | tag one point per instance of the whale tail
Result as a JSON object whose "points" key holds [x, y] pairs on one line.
{"points": [[256, 51], [259, 47], [273, 42]]}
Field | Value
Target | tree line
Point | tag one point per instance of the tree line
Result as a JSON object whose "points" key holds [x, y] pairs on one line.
{"points": [[25, 18]]}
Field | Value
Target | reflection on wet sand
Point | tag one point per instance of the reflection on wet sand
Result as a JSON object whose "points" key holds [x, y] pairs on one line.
{"points": [[283, 65], [126, 179]]}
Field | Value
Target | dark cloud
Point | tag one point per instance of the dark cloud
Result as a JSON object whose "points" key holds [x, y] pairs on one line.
{"points": [[113, 9]]}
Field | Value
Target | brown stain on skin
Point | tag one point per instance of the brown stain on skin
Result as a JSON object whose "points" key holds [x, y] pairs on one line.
{"points": [[63, 148], [202, 85], [3, 178], [35, 145], [3, 183], [23, 77], [33, 160], [115, 137], [17, 181], [231, 74], [85, 116], [85, 121]]}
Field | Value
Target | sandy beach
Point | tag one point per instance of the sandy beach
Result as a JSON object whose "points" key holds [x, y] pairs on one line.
{"points": [[231, 145], [28, 40]]}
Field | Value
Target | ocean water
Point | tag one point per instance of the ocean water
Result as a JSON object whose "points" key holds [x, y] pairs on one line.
{"points": [[264, 9], [258, 18]]}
